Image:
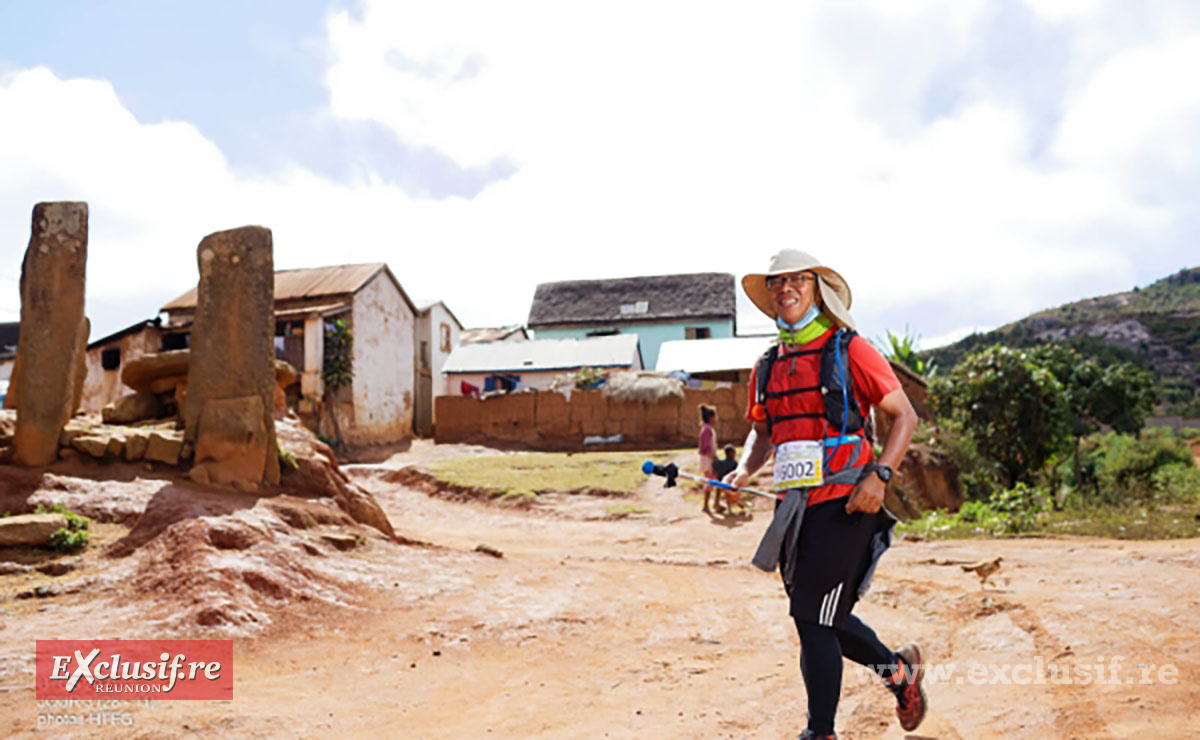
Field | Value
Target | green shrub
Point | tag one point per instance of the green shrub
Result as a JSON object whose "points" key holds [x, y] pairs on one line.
{"points": [[979, 474], [1125, 465], [976, 511], [588, 378], [1012, 407], [1176, 483], [75, 523], [1017, 508], [1006, 512], [65, 539]]}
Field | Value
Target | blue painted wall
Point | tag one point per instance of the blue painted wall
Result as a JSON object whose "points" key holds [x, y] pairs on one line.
{"points": [[650, 336]]}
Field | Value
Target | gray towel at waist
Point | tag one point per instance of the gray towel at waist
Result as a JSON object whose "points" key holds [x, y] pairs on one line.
{"points": [[790, 515], [790, 512]]}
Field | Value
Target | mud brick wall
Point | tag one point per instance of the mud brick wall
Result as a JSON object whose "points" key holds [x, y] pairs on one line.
{"points": [[549, 421]]}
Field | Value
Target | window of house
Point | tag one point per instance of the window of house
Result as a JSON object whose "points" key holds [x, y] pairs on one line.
{"points": [[445, 337], [424, 355], [697, 332], [110, 359], [504, 383], [633, 308], [605, 332], [174, 340]]}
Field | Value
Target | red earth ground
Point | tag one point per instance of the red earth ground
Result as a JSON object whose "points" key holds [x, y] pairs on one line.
{"points": [[593, 625]]}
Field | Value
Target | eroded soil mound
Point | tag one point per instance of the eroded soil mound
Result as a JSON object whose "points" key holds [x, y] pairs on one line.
{"points": [[199, 557], [317, 474], [236, 570]]}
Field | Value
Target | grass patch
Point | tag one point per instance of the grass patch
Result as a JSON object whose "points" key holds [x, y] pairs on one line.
{"points": [[532, 473], [621, 511], [287, 458], [1116, 522]]}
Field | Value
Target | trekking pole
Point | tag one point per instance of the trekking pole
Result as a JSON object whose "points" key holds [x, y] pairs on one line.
{"points": [[671, 471]]}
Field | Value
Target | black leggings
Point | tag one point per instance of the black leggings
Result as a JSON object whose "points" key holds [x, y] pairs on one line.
{"points": [[821, 651]]}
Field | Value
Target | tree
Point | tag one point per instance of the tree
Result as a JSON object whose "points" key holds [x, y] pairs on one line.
{"points": [[1013, 408], [1120, 396], [903, 349], [337, 370]]}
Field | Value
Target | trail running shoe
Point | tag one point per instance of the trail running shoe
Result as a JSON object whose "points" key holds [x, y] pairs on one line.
{"points": [[810, 735], [910, 697]]}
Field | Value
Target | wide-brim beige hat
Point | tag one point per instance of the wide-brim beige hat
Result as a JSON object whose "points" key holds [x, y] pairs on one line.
{"points": [[835, 292]]}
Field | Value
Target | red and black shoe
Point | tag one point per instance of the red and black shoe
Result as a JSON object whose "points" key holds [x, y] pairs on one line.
{"points": [[911, 702], [810, 735]]}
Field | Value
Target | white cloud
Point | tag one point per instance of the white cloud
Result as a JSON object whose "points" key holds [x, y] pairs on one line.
{"points": [[950, 337], [653, 138], [1141, 110]]}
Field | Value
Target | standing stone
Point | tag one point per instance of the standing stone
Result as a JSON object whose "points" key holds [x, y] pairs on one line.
{"points": [[48, 374], [233, 361]]}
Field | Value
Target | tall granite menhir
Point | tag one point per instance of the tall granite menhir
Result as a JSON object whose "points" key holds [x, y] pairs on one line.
{"points": [[227, 411], [48, 374]]}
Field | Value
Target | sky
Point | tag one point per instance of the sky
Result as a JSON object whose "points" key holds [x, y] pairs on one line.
{"points": [[962, 163]]}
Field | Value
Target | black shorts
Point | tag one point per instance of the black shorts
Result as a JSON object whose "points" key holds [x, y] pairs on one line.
{"points": [[834, 552]]}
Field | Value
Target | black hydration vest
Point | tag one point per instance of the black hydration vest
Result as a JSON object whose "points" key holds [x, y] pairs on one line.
{"points": [[836, 388]]}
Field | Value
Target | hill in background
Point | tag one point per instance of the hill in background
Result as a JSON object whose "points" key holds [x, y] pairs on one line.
{"points": [[1156, 328]]}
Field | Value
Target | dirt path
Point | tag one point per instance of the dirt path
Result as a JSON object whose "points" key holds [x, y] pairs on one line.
{"points": [[655, 626]]}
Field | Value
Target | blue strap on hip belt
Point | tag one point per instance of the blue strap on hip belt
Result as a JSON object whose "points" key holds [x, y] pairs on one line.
{"points": [[843, 439]]}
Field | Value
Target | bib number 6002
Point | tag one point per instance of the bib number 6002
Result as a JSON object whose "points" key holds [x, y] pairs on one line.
{"points": [[799, 469]]}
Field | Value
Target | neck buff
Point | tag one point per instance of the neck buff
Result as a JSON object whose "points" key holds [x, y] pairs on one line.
{"points": [[813, 325]]}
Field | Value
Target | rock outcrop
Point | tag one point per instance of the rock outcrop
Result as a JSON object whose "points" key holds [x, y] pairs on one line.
{"points": [[927, 479], [316, 474], [50, 366], [133, 407], [29, 529]]}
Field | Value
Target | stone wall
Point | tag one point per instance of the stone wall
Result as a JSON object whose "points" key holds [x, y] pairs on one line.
{"points": [[549, 421]]}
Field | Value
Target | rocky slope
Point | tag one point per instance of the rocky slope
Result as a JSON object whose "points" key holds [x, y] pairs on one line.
{"points": [[1157, 328]]}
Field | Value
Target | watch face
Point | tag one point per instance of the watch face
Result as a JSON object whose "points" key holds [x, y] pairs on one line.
{"points": [[884, 472]]}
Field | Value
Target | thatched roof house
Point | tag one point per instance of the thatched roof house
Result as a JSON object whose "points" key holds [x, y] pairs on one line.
{"points": [[656, 308], [706, 295]]}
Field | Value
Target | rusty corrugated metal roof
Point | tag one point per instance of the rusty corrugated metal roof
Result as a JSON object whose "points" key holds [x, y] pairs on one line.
{"points": [[620, 350], [324, 309], [310, 282], [491, 334]]}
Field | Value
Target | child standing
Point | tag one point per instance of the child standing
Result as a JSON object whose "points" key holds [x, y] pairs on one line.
{"points": [[708, 451], [724, 467]]}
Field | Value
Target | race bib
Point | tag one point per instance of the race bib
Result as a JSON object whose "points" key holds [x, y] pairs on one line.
{"points": [[798, 465]]}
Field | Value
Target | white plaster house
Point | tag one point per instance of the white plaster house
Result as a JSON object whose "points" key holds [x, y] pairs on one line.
{"points": [[378, 406], [491, 366], [438, 332], [9, 332]]}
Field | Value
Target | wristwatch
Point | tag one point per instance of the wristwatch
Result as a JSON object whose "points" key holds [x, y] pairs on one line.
{"points": [[883, 471]]}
